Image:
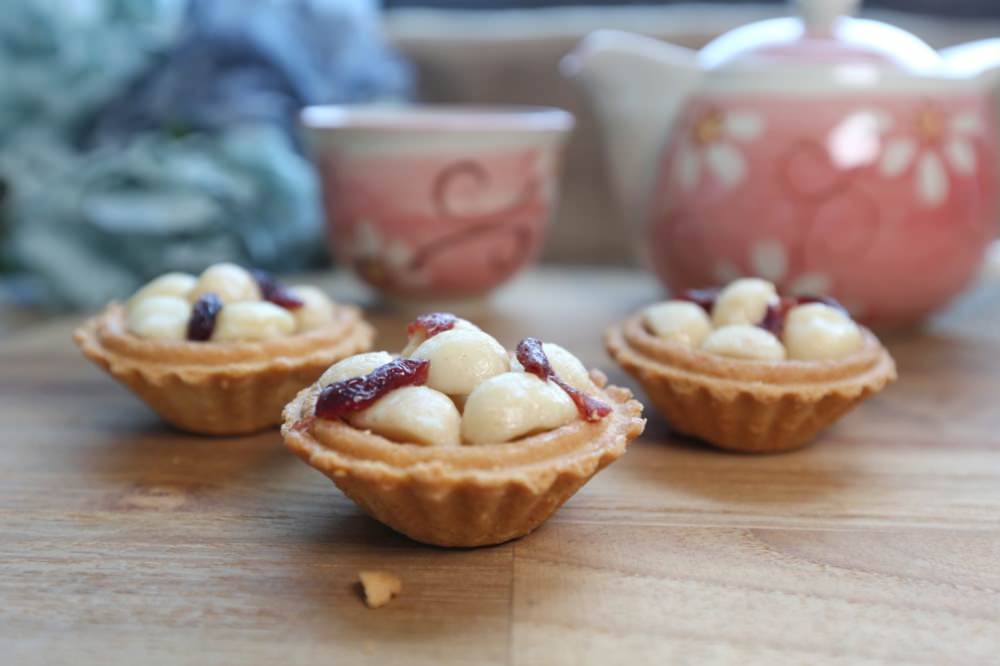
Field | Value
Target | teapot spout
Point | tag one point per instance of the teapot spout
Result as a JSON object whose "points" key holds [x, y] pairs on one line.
{"points": [[636, 85]]}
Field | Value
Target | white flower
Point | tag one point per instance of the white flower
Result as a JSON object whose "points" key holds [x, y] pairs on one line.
{"points": [[710, 146], [936, 143], [769, 260], [383, 261], [369, 244]]}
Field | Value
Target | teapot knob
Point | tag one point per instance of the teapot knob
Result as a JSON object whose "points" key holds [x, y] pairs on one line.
{"points": [[819, 15]]}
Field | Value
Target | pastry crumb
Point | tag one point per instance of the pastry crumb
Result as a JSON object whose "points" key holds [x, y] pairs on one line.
{"points": [[379, 587]]}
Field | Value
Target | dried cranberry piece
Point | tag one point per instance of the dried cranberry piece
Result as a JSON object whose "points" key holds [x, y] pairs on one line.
{"points": [[304, 423], [284, 298], [354, 394], [703, 297], [532, 357], [825, 300], [432, 323], [203, 314], [774, 318], [274, 291]]}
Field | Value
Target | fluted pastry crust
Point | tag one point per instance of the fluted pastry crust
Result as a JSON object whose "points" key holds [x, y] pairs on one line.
{"points": [[466, 495], [750, 406], [214, 388]]}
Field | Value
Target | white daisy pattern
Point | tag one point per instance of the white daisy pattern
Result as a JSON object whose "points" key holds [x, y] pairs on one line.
{"points": [[382, 261], [712, 147], [936, 144], [769, 259]]}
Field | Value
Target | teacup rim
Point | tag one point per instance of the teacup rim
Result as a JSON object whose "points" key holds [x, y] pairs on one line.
{"points": [[445, 118]]}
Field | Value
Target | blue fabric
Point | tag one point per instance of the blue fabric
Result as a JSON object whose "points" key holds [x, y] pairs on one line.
{"points": [[260, 61], [140, 136]]}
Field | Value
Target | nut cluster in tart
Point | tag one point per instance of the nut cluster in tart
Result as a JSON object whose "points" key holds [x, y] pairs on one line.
{"points": [[458, 441], [747, 369], [221, 353]]}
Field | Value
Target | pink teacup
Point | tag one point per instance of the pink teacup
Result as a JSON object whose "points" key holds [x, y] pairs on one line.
{"points": [[437, 201]]}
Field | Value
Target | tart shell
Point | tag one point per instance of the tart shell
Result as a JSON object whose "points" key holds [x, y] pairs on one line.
{"points": [[468, 495], [748, 406], [219, 388]]}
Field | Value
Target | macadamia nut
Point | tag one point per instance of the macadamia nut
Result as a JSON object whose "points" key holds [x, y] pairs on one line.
{"points": [[744, 301], [229, 282], [354, 366], [419, 336], [415, 414], [461, 359], [168, 284], [818, 332], [316, 310], [678, 321], [160, 318], [512, 405], [252, 320], [743, 341]]}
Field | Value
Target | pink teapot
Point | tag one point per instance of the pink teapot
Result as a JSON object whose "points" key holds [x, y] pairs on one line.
{"points": [[826, 153]]}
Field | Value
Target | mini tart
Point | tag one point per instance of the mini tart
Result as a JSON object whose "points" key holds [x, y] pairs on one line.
{"points": [[466, 495], [748, 406], [217, 388]]}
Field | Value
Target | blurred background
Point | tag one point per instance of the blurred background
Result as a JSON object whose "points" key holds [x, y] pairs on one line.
{"points": [[139, 136]]}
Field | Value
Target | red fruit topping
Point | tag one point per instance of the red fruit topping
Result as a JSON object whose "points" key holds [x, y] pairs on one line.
{"points": [[203, 314], [774, 318], [304, 423], [825, 300], [354, 394], [432, 324], [532, 357], [703, 297], [275, 292]]}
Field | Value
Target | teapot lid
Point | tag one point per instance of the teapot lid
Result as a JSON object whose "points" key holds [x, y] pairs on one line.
{"points": [[822, 34]]}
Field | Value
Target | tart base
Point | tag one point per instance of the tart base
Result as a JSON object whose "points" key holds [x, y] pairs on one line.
{"points": [[463, 496], [214, 389], [782, 409]]}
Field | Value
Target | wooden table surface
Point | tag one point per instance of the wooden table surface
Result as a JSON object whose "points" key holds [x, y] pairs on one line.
{"points": [[124, 542]]}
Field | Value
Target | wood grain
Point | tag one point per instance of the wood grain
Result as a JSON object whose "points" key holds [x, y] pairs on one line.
{"points": [[123, 542]]}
